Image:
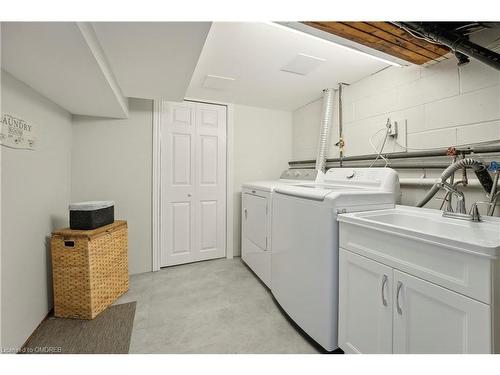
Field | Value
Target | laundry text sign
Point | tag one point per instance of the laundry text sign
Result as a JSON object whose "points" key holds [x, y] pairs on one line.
{"points": [[17, 133]]}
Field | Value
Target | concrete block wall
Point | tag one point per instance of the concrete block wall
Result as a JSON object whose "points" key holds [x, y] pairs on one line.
{"points": [[440, 105], [436, 106]]}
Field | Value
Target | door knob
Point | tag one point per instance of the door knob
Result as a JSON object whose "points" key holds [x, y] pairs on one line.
{"points": [[189, 195]]}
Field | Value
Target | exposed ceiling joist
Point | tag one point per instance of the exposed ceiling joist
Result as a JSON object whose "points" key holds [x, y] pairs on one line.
{"points": [[456, 36], [387, 38]]}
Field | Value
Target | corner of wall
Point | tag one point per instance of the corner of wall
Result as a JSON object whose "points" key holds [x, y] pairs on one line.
{"points": [[41, 177], [1, 293]]}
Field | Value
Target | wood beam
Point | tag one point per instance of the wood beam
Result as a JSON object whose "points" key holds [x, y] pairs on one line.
{"points": [[385, 37]]}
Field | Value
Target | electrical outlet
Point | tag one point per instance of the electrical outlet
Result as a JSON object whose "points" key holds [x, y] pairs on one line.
{"points": [[397, 136], [393, 129]]}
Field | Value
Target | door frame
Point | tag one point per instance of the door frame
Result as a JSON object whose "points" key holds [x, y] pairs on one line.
{"points": [[156, 187]]}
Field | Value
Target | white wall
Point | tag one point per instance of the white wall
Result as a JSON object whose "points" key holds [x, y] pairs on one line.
{"points": [[261, 150], [0, 201], [442, 105], [119, 165], [306, 126], [112, 160], [35, 196]]}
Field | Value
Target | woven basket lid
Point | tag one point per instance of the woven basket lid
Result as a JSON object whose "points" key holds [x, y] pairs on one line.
{"points": [[68, 232]]}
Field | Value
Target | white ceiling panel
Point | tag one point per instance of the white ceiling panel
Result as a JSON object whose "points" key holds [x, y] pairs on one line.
{"points": [[153, 60], [63, 62], [253, 54]]}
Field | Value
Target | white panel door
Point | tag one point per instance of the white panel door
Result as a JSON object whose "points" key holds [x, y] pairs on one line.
{"points": [[210, 177], [431, 319], [365, 305], [193, 152]]}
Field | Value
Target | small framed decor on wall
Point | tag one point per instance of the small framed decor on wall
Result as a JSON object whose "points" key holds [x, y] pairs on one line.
{"points": [[17, 133]]}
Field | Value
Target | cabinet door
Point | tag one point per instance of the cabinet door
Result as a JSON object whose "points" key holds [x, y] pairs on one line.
{"points": [[255, 210], [431, 319], [365, 304]]}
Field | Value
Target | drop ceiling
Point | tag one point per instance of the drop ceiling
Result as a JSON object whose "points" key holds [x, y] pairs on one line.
{"points": [[253, 55]]}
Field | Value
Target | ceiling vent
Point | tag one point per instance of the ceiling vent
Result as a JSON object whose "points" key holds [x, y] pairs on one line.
{"points": [[303, 64], [218, 82]]}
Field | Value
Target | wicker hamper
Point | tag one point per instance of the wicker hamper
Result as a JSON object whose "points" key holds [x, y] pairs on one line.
{"points": [[89, 268]]}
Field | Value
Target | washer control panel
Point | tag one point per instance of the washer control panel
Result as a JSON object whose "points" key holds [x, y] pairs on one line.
{"points": [[382, 179]]}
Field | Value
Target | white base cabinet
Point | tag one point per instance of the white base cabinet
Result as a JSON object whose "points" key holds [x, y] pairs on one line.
{"points": [[385, 310], [365, 305], [432, 319]]}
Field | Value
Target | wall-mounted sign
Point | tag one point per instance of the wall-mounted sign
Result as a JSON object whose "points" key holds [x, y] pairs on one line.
{"points": [[17, 133]]}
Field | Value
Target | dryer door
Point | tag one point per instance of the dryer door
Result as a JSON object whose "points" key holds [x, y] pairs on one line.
{"points": [[255, 221]]}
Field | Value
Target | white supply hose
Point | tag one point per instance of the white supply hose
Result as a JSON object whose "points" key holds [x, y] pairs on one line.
{"points": [[379, 152]]}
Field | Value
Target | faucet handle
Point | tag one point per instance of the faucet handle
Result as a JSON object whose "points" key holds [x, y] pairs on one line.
{"points": [[458, 194], [474, 210]]}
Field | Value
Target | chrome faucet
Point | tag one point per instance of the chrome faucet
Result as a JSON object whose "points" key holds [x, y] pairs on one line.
{"points": [[473, 214], [460, 211], [482, 172], [460, 198]]}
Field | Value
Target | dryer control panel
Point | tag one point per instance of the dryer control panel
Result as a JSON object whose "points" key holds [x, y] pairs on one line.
{"points": [[302, 174]]}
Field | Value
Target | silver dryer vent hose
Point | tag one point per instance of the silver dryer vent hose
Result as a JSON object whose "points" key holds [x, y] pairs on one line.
{"points": [[326, 125]]}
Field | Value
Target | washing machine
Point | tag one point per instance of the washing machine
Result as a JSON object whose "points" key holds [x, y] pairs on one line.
{"points": [[256, 218], [304, 259]]}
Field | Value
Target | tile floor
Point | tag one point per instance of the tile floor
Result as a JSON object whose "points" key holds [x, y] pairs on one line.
{"points": [[216, 306]]}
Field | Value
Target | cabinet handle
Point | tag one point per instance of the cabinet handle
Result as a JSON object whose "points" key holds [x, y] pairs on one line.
{"points": [[384, 281], [246, 213], [398, 292]]}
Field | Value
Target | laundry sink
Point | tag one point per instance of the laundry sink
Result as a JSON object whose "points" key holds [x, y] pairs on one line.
{"points": [[430, 225]]}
